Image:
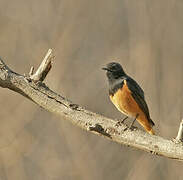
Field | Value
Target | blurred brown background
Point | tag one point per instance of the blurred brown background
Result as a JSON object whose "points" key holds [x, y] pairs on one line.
{"points": [[144, 36]]}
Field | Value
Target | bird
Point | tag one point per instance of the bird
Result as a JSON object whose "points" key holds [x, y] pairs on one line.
{"points": [[128, 96]]}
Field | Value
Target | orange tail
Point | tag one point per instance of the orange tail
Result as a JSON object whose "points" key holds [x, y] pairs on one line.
{"points": [[146, 124], [151, 132]]}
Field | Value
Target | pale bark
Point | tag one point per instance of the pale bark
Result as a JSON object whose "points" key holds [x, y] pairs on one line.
{"points": [[32, 88]]}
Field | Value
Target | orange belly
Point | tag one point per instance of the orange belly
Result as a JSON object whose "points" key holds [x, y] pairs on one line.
{"points": [[125, 103]]}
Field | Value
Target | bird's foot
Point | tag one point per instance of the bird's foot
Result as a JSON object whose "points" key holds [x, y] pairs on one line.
{"points": [[118, 124], [132, 128], [121, 121]]}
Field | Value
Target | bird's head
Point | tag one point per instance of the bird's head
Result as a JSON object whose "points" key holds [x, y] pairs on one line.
{"points": [[114, 71]]}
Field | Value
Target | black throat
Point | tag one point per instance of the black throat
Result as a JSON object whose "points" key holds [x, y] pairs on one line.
{"points": [[115, 75], [116, 81]]}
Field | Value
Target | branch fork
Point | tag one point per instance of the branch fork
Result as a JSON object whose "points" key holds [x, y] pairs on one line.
{"points": [[179, 138], [43, 69]]}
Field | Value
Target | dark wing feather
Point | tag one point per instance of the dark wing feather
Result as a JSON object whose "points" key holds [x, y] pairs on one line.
{"points": [[136, 86], [138, 95]]}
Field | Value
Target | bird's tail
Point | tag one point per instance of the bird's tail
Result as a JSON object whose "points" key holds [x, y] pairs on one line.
{"points": [[151, 131], [151, 122], [147, 124]]}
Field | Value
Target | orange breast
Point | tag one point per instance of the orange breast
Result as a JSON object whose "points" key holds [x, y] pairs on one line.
{"points": [[125, 103]]}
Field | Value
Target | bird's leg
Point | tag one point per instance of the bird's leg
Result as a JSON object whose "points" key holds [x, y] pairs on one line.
{"points": [[121, 121], [134, 121]]}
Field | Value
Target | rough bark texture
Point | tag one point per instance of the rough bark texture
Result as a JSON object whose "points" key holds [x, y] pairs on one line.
{"points": [[39, 93]]}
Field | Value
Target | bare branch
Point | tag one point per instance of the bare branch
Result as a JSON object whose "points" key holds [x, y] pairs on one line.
{"points": [[40, 94], [31, 71], [43, 69], [179, 137]]}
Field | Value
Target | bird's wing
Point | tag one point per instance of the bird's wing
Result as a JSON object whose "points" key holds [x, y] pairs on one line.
{"points": [[138, 95], [135, 86]]}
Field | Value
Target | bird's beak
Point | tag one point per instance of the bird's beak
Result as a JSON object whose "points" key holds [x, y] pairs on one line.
{"points": [[105, 69]]}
